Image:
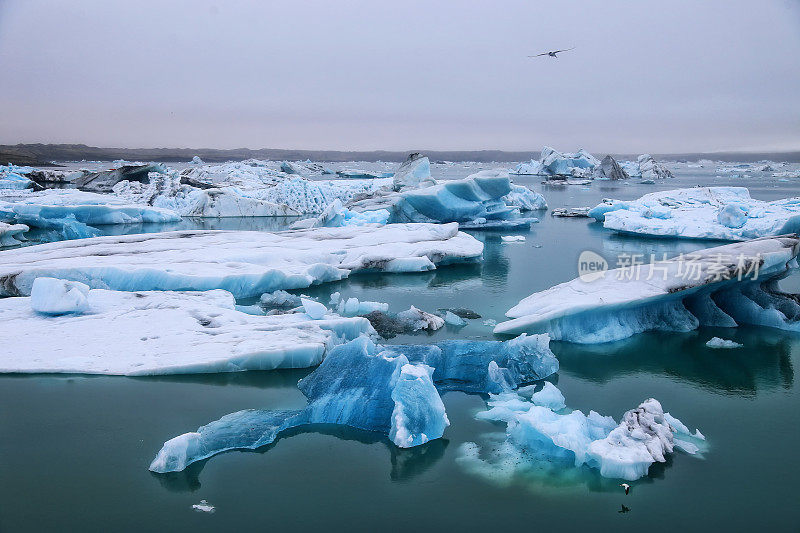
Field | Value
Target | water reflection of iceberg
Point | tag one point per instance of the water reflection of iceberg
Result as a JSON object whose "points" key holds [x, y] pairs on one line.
{"points": [[764, 363]]}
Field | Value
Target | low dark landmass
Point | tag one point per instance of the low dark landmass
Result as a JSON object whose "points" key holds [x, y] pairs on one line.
{"points": [[45, 154]]}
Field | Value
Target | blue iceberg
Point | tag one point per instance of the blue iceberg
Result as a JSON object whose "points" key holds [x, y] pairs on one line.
{"points": [[394, 390]]}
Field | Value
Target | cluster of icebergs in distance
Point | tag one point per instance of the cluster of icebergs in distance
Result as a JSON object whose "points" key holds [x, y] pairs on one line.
{"points": [[556, 165], [141, 193]]}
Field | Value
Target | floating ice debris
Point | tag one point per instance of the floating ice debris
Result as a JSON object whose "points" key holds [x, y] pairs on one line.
{"points": [[716, 342], [513, 238], [454, 320], [549, 396], [279, 300], [203, 506], [50, 296], [148, 333], [336, 215], [415, 172], [539, 439], [313, 309], [490, 322], [722, 213], [609, 169], [354, 307], [723, 286], [388, 389], [246, 263], [524, 198], [463, 312], [576, 212], [11, 234], [350, 173]]}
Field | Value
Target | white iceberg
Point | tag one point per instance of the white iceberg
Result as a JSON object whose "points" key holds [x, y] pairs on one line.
{"points": [[414, 173], [148, 333], [717, 342], [13, 177], [242, 262], [50, 296], [721, 213], [558, 164], [538, 438], [723, 286]]}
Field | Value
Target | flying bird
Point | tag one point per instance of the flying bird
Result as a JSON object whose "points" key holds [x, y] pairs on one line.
{"points": [[553, 53], [626, 487]]}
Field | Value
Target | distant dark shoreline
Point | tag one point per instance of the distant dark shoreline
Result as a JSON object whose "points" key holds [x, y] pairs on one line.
{"points": [[45, 154]]}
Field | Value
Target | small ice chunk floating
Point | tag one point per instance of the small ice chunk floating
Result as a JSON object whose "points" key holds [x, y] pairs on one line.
{"points": [[723, 286]]}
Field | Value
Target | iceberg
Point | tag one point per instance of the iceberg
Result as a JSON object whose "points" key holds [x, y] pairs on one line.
{"points": [[412, 320], [609, 169], [105, 180], [530, 168], [539, 438], [50, 296], [245, 263], [723, 286], [716, 342], [279, 300], [336, 215], [719, 213], [650, 169], [524, 198], [392, 390], [14, 177], [414, 173], [478, 199], [11, 234], [570, 212], [562, 165], [56, 330]]}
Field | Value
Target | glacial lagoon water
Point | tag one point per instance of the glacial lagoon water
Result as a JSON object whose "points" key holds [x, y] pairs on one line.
{"points": [[74, 450]]}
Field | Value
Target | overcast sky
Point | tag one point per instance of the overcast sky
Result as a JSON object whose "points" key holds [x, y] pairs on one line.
{"points": [[645, 76]]}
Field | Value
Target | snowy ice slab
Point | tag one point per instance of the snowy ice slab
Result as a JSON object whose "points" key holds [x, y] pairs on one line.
{"points": [[723, 213], [11, 234], [241, 262], [715, 286], [147, 333]]}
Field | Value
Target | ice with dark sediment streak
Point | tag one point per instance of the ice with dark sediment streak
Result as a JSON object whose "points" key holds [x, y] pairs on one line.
{"points": [[244, 263], [719, 213], [723, 286], [542, 437], [100, 331], [392, 390]]}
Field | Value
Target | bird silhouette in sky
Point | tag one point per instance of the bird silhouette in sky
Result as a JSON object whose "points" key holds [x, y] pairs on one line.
{"points": [[553, 53]]}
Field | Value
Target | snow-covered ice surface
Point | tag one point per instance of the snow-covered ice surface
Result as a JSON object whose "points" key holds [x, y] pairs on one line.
{"points": [[722, 213], [149, 333], [388, 389], [723, 286], [241, 262], [543, 438]]}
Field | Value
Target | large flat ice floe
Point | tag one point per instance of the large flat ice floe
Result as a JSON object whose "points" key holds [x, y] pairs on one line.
{"points": [[724, 286], [67, 328], [392, 390], [722, 213], [241, 262], [548, 439]]}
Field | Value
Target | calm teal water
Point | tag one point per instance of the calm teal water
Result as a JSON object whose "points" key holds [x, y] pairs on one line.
{"points": [[74, 450]]}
